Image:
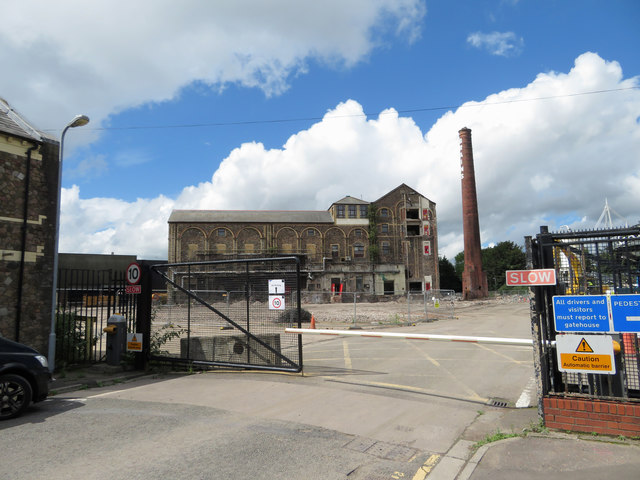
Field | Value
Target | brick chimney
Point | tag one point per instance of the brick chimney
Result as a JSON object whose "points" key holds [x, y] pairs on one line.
{"points": [[474, 280]]}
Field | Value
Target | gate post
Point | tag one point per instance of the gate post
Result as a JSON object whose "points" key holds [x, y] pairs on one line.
{"points": [[536, 334], [143, 317]]}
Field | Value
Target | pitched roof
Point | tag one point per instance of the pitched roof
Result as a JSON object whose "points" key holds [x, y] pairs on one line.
{"points": [[249, 216], [406, 188], [349, 200], [13, 123]]}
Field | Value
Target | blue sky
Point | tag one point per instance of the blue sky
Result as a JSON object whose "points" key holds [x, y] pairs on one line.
{"points": [[239, 105]]}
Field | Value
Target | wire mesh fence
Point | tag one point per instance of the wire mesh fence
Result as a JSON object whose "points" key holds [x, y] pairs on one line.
{"points": [[229, 313]]}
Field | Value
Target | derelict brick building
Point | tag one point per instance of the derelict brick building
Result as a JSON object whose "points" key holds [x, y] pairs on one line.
{"points": [[387, 246], [28, 195]]}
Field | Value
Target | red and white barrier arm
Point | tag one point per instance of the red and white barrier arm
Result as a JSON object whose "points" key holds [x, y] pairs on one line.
{"points": [[414, 336]]}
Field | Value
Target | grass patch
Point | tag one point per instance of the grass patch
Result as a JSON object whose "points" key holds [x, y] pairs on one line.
{"points": [[534, 427], [495, 437]]}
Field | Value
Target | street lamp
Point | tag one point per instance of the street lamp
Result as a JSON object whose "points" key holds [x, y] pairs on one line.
{"points": [[78, 121]]}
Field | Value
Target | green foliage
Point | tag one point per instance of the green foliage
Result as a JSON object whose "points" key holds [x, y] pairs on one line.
{"points": [[500, 258], [459, 264], [496, 261], [161, 336], [448, 278], [494, 437], [75, 338]]}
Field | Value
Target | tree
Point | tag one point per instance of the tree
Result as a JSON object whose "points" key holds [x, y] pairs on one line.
{"points": [[449, 280], [459, 263], [500, 258], [496, 261]]}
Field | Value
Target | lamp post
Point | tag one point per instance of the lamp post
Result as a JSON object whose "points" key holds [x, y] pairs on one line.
{"points": [[78, 121]]}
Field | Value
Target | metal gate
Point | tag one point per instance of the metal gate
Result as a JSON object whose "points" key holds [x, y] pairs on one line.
{"points": [[597, 262], [85, 301], [229, 313]]}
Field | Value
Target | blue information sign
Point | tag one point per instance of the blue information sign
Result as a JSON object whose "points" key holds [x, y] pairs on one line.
{"points": [[625, 310], [581, 313]]}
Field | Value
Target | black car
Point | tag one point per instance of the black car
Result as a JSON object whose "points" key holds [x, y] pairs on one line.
{"points": [[24, 377]]}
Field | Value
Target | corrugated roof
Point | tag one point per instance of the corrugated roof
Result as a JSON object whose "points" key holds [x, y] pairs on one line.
{"points": [[249, 216], [13, 123]]}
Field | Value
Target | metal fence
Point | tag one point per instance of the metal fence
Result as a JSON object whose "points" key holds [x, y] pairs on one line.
{"points": [[360, 308], [85, 301], [229, 313], [601, 262]]}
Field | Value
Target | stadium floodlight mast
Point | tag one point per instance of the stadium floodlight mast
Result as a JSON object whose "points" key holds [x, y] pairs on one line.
{"points": [[78, 121]]}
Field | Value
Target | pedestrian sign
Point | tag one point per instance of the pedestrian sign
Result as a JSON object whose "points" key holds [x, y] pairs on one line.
{"points": [[585, 354], [625, 310]]}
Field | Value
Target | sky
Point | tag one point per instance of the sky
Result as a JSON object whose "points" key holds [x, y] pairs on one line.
{"points": [[294, 104]]}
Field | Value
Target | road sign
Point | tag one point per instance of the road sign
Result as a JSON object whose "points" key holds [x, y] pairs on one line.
{"points": [[276, 302], [585, 354], [134, 342], [133, 289], [276, 287], [133, 273], [581, 313], [541, 276], [625, 311]]}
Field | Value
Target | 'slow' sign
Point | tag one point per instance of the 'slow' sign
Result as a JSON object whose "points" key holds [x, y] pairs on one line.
{"points": [[542, 276]]}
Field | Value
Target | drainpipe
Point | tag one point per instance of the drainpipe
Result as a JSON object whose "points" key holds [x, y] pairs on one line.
{"points": [[23, 248]]}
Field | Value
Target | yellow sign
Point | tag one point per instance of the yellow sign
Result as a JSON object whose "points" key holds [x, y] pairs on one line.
{"points": [[584, 347], [585, 354], [134, 342], [574, 361]]}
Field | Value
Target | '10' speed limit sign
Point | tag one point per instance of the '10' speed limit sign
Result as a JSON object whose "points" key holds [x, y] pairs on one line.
{"points": [[133, 273]]}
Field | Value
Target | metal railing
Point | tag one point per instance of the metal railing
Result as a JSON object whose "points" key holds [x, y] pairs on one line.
{"points": [[85, 300]]}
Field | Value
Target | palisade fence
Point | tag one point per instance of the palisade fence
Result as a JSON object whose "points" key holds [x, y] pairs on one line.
{"points": [[590, 263], [85, 301]]}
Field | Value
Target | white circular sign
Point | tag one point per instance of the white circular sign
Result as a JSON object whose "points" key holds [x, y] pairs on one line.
{"points": [[277, 303], [133, 273]]}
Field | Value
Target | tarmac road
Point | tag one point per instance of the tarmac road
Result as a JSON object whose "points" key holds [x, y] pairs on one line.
{"points": [[365, 409]]}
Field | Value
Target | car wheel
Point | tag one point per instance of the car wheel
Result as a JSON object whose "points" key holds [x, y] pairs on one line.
{"points": [[15, 395]]}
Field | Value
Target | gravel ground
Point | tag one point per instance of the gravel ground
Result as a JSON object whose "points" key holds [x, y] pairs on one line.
{"points": [[398, 311]]}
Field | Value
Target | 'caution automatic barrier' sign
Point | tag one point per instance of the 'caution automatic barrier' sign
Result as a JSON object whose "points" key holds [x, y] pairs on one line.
{"points": [[585, 354], [134, 342]]}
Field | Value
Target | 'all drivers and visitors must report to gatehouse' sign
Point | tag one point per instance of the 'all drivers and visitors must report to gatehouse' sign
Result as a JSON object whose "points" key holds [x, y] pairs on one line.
{"points": [[597, 313]]}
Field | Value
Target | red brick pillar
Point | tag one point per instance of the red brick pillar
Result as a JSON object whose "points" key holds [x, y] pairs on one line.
{"points": [[474, 280]]}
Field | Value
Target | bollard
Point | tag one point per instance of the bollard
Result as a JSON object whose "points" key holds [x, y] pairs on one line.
{"points": [[116, 330]]}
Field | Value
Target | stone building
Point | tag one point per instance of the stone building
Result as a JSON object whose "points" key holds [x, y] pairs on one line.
{"points": [[388, 246], [28, 195]]}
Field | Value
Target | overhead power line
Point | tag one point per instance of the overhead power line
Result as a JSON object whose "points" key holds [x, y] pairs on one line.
{"points": [[314, 119]]}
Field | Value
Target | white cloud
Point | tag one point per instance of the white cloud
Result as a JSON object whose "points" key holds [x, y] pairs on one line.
{"points": [[537, 162], [505, 44], [105, 225], [104, 56]]}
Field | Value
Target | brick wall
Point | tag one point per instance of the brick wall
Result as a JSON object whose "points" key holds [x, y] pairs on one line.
{"points": [[593, 416]]}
